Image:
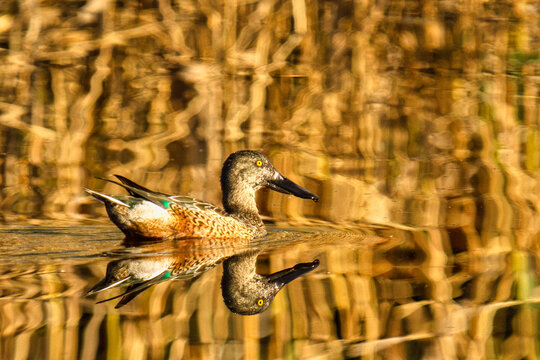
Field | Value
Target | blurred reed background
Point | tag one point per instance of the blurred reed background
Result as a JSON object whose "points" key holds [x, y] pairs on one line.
{"points": [[415, 110], [422, 116]]}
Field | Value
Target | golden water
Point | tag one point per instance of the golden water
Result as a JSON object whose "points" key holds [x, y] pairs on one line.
{"points": [[416, 123]]}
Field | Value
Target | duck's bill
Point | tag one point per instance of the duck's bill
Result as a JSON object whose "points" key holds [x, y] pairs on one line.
{"points": [[283, 185], [283, 277]]}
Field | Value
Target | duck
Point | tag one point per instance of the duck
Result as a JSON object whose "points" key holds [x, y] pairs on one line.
{"points": [[144, 213]]}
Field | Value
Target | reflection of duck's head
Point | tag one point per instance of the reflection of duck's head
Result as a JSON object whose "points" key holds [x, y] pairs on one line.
{"points": [[247, 293]]}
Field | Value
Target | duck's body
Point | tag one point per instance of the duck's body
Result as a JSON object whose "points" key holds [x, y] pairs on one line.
{"points": [[148, 214], [174, 216]]}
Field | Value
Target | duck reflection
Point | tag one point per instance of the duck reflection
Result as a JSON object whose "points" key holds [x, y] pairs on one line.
{"points": [[244, 291]]}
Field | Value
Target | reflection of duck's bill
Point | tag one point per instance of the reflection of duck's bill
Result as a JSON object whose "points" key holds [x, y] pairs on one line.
{"points": [[281, 184], [283, 277]]}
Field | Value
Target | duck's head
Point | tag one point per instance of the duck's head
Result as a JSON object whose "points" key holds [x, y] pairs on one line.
{"points": [[251, 293], [245, 172]]}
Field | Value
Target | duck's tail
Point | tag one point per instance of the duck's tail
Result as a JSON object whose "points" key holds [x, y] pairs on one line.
{"points": [[105, 198]]}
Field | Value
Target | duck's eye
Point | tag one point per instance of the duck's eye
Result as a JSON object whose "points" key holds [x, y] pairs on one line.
{"points": [[259, 163], [260, 302]]}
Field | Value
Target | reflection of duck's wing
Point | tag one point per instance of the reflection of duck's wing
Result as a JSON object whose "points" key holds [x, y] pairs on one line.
{"points": [[130, 294], [132, 271], [135, 289], [105, 284]]}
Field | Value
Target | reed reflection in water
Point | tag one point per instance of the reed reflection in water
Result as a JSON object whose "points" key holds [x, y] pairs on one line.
{"points": [[417, 123], [379, 293]]}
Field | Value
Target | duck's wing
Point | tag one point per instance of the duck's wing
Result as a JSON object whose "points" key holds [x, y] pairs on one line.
{"points": [[130, 186], [197, 205], [133, 185], [165, 200]]}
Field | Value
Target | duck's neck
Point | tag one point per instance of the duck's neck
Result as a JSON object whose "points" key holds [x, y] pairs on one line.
{"points": [[239, 201]]}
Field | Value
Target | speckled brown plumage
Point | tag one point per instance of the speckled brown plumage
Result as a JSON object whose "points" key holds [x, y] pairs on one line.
{"points": [[199, 223]]}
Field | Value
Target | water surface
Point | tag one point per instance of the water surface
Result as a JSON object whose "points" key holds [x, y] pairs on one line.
{"points": [[381, 292]]}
